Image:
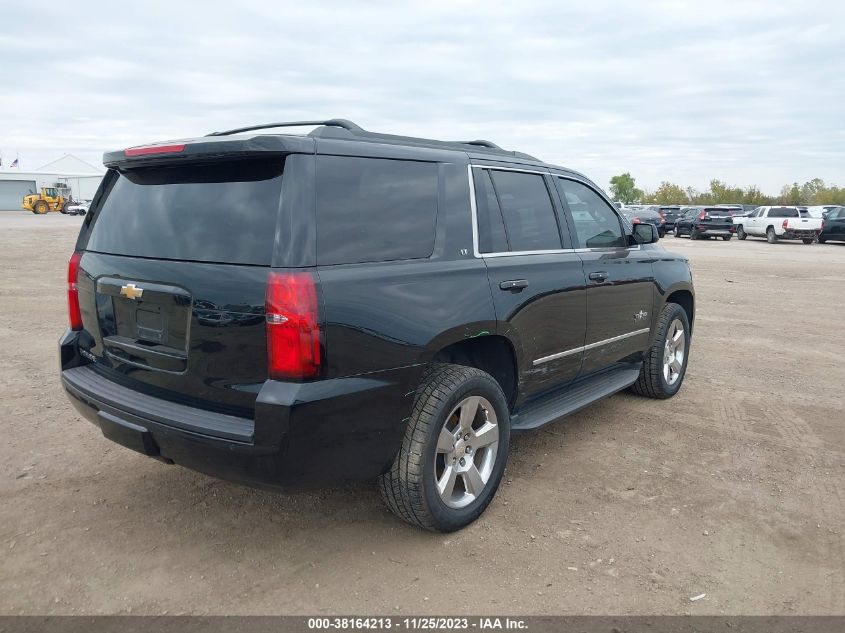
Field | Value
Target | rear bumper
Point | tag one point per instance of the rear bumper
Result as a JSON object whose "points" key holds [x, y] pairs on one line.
{"points": [[716, 232], [302, 434], [791, 234]]}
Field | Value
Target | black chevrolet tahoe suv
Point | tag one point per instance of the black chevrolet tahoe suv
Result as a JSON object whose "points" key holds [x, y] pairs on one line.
{"points": [[291, 310]]}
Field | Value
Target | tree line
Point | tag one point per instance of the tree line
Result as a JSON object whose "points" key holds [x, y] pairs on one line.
{"points": [[624, 189]]}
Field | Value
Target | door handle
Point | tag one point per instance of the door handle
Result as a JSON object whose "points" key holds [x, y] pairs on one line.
{"points": [[514, 284], [599, 276]]}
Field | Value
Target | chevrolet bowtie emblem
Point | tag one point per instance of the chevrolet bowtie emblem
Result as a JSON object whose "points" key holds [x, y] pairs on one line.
{"points": [[130, 291]]}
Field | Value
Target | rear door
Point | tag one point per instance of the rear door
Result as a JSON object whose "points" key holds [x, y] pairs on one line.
{"points": [[620, 279], [834, 225], [174, 272], [684, 222], [536, 278], [716, 219]]}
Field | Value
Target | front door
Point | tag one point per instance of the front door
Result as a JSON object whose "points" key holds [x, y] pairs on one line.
{"points": [[620, 279], [536, 278]]}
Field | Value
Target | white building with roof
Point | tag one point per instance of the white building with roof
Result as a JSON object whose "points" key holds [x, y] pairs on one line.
{"points": [[83, 179]]}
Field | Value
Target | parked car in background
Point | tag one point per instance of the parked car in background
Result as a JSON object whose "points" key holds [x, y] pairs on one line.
{"points": [[349, 305], [735, 209], [779, 223], [739, 210], [646, 216], [704, 222], [670, 213], [820, 211], [833, 226], [79, 208]]}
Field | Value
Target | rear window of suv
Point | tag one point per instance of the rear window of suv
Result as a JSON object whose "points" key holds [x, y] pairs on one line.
{"points": [[374, 209], [217, 212]]}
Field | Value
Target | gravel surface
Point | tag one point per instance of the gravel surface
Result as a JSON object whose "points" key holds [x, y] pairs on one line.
{"points": [[732, 489]]}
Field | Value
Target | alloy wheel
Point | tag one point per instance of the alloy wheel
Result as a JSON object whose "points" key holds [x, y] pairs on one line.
{"points": [[674, 352], [466, 451]]}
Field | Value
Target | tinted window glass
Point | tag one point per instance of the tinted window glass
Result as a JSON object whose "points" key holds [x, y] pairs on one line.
{"points": [[371, 210], [529, 216], [221, 212], [719, 212], [596, 224], [783, 212], [491, 227]]}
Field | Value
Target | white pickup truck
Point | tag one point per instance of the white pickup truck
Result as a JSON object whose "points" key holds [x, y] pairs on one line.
{"points": [[779, 223]]}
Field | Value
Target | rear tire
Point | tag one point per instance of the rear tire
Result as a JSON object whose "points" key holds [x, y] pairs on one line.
{"points": [[665, 362], [727, 238], [771, 236], [740, 233], [808, 240], [427, 485], [822, 240], [694, 235], [676, 232]]}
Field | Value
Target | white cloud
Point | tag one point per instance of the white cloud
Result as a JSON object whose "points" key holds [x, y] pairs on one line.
{"points": [[748, 92]]}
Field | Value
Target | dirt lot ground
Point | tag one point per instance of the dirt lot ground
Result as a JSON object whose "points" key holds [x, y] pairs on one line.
{"points": [[732, 488]]}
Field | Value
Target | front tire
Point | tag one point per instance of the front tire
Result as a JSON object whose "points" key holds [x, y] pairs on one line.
{"points": [[694, 235], [454, 451], [822, 240], [677, 231], [808, 240], [727, 238], [771, 236], [40, 207], [665, 362]]}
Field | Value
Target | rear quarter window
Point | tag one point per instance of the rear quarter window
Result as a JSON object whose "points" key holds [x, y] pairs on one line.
{"points": [[373, 209], [219, 212]]}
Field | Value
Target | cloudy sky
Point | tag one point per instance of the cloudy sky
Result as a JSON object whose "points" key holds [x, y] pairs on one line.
{"points": [[748, 92]]}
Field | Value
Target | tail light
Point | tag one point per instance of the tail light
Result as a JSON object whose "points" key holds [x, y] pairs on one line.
{"points": [[822, 226], [785, 223], [635, 220], [701, 216], [293, 326], [662, 217], [74, 313]]}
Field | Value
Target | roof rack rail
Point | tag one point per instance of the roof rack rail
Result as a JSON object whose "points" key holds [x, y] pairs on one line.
{"points": [[481, 143], [344, 128], [348, 125]]}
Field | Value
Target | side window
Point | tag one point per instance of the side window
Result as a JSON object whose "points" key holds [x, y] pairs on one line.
{"points": [[596, 223], [373, 209], [529, 217], [491, 226]]}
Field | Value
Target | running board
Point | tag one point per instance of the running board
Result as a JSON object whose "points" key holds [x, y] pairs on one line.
{"points": [[576, 396]]}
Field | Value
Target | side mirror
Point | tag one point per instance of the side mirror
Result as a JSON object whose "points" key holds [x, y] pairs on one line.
{"points": [[644, 234]]}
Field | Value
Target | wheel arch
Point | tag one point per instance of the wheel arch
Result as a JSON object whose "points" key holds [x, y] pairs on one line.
{"points": [[491, 353], [685, 298]]}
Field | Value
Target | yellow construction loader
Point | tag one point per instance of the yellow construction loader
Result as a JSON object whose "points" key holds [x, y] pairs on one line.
{"points": [[50, 199]]}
